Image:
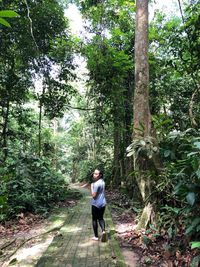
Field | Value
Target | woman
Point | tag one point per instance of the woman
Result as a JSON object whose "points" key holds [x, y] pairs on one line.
{"points": [[98, 204]]}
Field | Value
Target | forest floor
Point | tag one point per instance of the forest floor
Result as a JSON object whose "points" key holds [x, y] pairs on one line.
{"points": [[64, 239], [150, 247], [29, 236]]}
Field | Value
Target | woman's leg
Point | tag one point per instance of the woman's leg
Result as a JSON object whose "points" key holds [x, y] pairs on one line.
{"points": [[94, 220], [101, 219]]}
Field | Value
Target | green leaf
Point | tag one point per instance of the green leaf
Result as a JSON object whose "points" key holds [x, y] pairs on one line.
{"points": [[195, 244], [4, 22], [13, 261], [166, 121], [155, 149], [195, 261], [192, 153], [193, 226], [167, 153], [170, 232], [197, 144], [8, 14], [146, 240], [198, 173], [191, 198], [130, 153], [142, 142]]}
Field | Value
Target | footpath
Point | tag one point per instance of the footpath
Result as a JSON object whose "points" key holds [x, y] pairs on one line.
{"points": [[73, 246]]}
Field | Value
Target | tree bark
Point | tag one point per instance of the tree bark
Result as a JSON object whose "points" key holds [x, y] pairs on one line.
{"points": [[116, 179], [5, 130], [74, 171], [39, 130], [40, 121], [141, 110]]}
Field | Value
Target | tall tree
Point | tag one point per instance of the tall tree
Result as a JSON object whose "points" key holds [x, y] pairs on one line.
{"points": [[38, 43], [110, 65], [142, 116], [141, 111]]}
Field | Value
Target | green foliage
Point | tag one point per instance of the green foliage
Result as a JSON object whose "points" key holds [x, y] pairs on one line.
{"points": [[169, 219], [38, 44], [181, 186], [7, 14], [110, 69], [195, 261], [142, 147], [4, 207], [100, 135], [162, 124], [195, 244], [33, 186], [174, 63]]}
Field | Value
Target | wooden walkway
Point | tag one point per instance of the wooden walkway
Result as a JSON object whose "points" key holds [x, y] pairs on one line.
{"points": [[73, 246]]}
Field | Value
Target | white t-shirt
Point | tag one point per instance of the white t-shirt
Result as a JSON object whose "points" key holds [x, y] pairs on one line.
{"points": [[98, 187]]}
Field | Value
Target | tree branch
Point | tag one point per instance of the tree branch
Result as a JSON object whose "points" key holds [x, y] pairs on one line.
{"points": [[57, 228], [85, 109]]}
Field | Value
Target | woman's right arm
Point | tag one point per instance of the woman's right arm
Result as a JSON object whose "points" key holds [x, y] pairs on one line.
{"points": [[94, 194]]}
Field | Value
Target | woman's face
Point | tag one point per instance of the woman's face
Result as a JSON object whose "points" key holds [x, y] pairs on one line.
{"points": [[96, 175]]}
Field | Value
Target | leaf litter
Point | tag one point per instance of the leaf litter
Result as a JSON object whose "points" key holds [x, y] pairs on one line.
{"points": [[26, 230], [147, 247]]}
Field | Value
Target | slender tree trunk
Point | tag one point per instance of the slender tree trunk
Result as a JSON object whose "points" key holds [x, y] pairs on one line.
{"points": [[122, 121], [5, 130], [130, 181], [40, 126], [74, 171], [40, 122], [116, 179], [55, 129]]}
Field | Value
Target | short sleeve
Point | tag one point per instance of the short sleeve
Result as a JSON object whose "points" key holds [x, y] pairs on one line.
{"points": [[95, 188]]}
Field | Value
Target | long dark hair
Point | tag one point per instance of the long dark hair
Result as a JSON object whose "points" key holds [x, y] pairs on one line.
{"points": [[100, 172]]}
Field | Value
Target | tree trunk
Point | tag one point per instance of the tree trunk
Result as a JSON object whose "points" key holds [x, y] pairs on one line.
{"points": [[141, 112], [5, 130], [55, 129], [116, 179], [74, 171], [39, 130], [142, 116], [127, 137], [40, 121]]}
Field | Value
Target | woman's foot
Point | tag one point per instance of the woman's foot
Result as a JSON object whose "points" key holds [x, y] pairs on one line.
{"points": [[104, 237], [95, 238]]}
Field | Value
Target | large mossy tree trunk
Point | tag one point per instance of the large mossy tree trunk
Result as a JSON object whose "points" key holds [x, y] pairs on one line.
{"points": [[141, 110]]}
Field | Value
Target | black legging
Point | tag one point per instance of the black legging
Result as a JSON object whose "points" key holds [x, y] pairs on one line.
{"points": [[97, 215]]}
